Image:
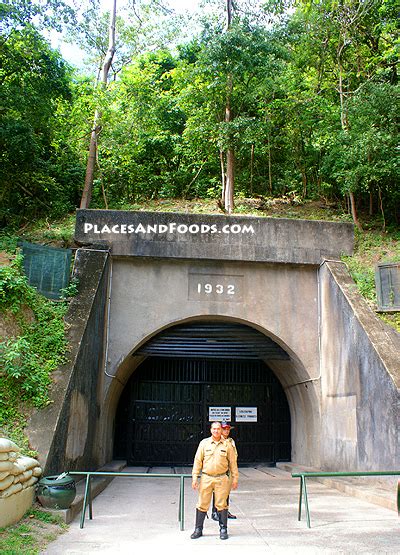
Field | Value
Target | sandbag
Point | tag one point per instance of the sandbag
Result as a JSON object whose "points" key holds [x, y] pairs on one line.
{"points": [[30, 482], [7, 445], [13, 456], [24, 476], [22, 464], [4, 484], [26, 463], [4, 456], [37, 471], [4, 475], [6, 466], [15, 488]]}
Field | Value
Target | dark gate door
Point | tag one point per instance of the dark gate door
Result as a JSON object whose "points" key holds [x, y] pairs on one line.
{"points": [[164, 410]]}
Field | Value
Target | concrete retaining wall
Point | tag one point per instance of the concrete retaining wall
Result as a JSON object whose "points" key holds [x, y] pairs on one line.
{"points": [[360, 397], [214, 237], [64, 433]]}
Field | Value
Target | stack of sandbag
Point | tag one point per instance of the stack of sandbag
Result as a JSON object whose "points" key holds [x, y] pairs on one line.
{"points": [[18, 476]]}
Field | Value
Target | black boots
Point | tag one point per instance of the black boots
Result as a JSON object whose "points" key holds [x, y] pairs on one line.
{"points": [[222, 516], [223, 524], [214, 512], [198, 530]]}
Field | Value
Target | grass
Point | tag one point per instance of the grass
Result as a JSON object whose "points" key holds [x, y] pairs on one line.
{"points": [[31, 534], [373, 246]]}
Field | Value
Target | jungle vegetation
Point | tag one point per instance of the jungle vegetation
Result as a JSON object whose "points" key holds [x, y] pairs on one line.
{"points": [[284, 99]]}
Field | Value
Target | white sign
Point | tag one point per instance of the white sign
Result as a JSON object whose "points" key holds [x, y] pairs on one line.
{"points": [[246, 414], [217, 414]]}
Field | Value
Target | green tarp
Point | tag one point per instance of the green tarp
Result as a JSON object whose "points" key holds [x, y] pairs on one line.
{"points": [[47, 268]]}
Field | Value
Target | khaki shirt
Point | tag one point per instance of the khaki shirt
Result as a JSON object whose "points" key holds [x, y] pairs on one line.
{"points": [[232, 442], [214, 458]]}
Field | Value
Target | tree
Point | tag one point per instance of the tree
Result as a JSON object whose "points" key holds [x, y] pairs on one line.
{"points": [[88, 187], [357, 43], [34, 81], [228, 178]]}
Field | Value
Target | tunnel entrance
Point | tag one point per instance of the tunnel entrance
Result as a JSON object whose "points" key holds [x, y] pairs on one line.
{"points": [[194, 372]]}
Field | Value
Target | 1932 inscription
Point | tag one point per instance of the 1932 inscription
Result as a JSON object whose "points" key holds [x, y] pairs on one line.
{"points": [[215, 287]]}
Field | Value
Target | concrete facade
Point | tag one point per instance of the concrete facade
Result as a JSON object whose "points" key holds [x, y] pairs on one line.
{"points": [[148, 296], [342, 389]]}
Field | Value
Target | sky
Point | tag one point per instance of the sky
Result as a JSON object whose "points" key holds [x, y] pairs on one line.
{"points": [[75, 56]]}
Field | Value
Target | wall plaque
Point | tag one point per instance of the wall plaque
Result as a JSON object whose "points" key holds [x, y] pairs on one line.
{"points": [[215, 287]]}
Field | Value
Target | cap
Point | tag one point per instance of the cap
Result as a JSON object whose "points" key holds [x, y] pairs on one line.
{"points": [[226, 425]]}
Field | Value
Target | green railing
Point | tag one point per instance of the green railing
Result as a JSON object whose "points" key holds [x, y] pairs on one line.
{"points": [[303, 486], [87, 500]]}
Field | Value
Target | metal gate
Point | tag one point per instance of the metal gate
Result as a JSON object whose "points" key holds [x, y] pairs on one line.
{"points": [[164, 410]]}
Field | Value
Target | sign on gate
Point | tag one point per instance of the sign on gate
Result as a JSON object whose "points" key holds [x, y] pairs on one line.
{"points": [[219, 413], [246, 414]]}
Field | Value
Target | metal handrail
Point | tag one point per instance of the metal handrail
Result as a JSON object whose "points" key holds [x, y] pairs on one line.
{"points": [[303, 487], [87, 500]]}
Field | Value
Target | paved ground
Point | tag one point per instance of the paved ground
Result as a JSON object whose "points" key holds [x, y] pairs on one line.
{"points": [[140, 515]]}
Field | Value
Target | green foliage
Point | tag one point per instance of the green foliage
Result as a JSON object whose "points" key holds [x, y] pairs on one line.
{"points": [[22, 13], [371, 247], [14, 287], [38, 170], [71, 290], [28, 358], [313, 98], [364, 278]]}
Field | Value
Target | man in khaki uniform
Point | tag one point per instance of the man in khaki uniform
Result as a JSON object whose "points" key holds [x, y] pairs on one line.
{"points": [[214, 458], [226, 430]]}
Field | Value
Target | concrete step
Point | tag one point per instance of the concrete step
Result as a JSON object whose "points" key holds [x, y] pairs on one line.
{"points": [[363, 487]]}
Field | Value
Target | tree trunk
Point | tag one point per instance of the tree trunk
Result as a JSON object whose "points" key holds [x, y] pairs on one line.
{"points": [[381, 207], [91, 163], [230, 180], [269, 167], [354, 210], [345, 126], [230, 158], [90, 166], [230, 154], [251, 168], [343, 107], [304, 181], [221, 158], [229, 12]]}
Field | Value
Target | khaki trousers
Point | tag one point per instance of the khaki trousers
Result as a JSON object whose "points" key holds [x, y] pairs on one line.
{"points": [[209, 484]]}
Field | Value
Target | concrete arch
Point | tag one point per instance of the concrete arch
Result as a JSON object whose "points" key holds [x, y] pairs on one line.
{"points": [[302, 391]]}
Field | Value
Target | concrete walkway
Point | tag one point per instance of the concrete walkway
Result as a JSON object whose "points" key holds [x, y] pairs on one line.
{"points": [[140, 515]]}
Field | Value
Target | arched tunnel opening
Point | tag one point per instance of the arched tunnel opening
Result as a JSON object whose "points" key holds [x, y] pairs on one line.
{"points": [[196, 373]]}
